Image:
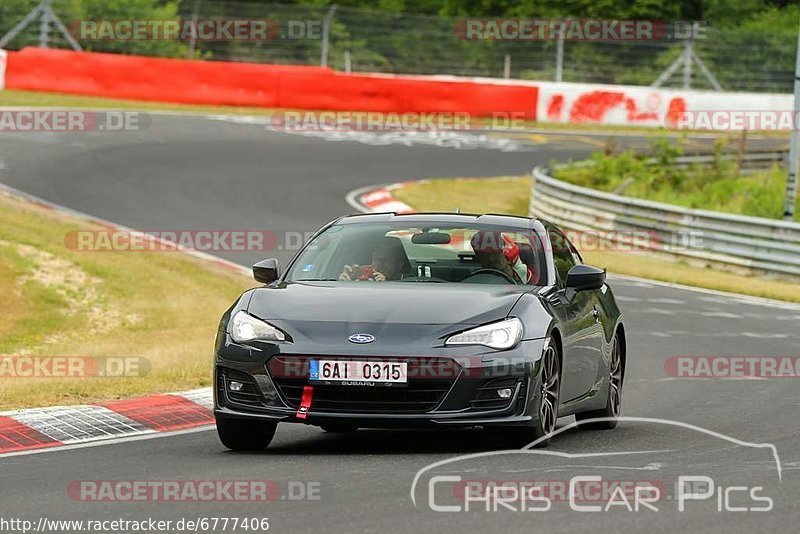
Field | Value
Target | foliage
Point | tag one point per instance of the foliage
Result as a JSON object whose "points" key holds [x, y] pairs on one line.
{"points": [[717, 187]]}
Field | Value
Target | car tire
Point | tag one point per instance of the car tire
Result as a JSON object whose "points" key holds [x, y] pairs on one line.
{"points": [[609, 414], [549, 395], [339, 428], [245, 435]]}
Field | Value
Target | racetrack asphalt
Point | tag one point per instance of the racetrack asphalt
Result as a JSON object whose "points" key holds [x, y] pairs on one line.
{"points": [[197, 173]]}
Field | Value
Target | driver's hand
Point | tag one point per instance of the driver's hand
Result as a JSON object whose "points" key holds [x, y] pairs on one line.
{"points": [[378, 276], [345, 276]]}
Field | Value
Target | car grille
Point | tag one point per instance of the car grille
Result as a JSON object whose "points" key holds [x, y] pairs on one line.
{"points": [[429, 379]]}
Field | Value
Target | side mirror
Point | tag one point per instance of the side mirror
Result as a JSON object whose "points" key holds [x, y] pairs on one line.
{"points": [[266, 271], [582, 277]]}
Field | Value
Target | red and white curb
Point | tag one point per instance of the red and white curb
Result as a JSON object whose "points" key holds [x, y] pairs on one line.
{"points": [[40, 428], [378, 199]]}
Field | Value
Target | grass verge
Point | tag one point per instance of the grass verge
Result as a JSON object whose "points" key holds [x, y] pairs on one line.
{"points": [[719, 186], [160, 307], [511, 194]]}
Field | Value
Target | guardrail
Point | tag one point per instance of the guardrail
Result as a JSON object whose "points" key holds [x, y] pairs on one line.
{"points": [[747, 163], [751, 243]]}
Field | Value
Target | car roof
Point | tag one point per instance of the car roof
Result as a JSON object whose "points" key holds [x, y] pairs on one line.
{"points": [[442, 217]]}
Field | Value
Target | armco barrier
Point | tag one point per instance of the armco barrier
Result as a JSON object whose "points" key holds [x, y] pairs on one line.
{"points": [[246, 84], [745, 242]]}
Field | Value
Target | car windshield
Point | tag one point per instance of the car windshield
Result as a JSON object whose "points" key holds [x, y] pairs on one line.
{"points": [[390, 252]]}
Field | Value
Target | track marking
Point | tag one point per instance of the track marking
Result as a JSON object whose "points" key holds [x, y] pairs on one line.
{"points": [[112, 441]]}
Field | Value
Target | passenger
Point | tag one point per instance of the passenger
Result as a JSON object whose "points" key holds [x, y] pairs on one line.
{"points": [[496, 250], [389, 262]]}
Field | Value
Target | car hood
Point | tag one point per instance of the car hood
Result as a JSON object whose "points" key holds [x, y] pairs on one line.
{"points": [[385, 302]]}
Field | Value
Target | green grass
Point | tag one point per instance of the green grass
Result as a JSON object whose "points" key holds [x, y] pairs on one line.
{"points": [[161, 306], [482, 195], [718, 187]]}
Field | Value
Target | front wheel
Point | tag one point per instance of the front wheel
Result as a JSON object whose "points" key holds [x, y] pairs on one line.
{"points": [[608, 416], [245, 435], [549, 394]]}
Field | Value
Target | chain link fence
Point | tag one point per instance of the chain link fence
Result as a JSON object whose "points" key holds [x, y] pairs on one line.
{"points": [[358, 40]]}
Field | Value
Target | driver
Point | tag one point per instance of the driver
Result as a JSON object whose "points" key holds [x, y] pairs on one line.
{"points": [[389, 262], [496, 250]]}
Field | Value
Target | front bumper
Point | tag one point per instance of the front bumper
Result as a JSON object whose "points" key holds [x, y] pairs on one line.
{"points": [[454, 386]]}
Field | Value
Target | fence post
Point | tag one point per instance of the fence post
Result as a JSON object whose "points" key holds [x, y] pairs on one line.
{"points": [[348, 62], [560, 52], [507, 67], [193, 36], [326, 36], [791, 180], [687, 63], [44, 25]]}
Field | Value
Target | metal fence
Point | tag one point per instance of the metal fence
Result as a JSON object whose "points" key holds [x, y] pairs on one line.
{"points": [[749, 243], [372, 41]]}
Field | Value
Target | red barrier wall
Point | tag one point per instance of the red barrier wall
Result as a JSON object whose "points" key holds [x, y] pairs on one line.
{"points": [[247, 84]]}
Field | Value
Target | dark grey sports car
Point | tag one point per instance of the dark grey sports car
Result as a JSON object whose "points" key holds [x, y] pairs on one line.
{"points": [[421, 320]]}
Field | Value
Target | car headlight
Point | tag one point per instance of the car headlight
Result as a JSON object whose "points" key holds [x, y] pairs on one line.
{"points": [[501, 335], [245, 327]]}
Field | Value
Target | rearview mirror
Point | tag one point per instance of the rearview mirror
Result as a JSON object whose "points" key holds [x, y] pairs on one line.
{"points": [[266, 271], [430, 238], [583, 277]]}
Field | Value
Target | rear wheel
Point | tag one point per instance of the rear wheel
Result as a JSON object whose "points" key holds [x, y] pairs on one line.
{"points": [[610, 413], [549, 395], [245, 435]]}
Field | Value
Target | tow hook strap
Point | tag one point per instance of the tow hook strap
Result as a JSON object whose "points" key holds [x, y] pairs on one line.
{"points": [[305, 402]]}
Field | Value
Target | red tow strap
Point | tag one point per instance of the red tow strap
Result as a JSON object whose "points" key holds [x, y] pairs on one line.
{"points": [[305, 402]]}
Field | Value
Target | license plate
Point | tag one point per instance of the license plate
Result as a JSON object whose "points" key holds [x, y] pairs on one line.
{"points": [[358, 372]]}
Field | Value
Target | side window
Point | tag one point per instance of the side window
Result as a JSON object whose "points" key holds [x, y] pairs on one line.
{"points": [[575, 254], [564, 255]]}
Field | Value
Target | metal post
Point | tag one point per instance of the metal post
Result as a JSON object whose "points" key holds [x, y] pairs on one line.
{"points": [[791, 182], [687, 64], [348, 64], [326, 35], [44, 25], [21, 25], [507, 67], [193, 36], [560, 52]]}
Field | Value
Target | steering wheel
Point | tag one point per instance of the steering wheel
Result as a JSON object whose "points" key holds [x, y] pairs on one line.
{"points": [[490, 272]]}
